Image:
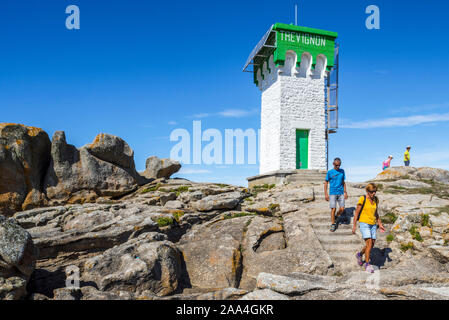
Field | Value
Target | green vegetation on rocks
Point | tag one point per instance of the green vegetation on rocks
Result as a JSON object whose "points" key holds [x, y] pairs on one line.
{"points": [[238, 214], [177, 215], [164, 221], [415, 234], [181, 189], [264, 186], [389, 218], [425, 220], [150, 189], [406, 246], [261, 188]]}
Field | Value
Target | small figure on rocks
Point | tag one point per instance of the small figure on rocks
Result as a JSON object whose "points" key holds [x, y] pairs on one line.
{"points": [[407, 156], [386, 163], [366, 214], [337, 193]]}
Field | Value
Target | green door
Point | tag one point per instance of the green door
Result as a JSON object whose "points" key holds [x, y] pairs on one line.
{"points": [[302, 149]]}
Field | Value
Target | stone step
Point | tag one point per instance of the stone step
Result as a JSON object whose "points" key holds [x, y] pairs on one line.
{"points": [[326, 216], [344, 262], [320, 219], [305, 179], [343, 239], [343, 255], [347, 269], [336, 247], [337, 233], [326, 225]]}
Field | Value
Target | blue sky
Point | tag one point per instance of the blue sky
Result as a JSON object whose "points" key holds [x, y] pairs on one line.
{"points": [[140, 69]]}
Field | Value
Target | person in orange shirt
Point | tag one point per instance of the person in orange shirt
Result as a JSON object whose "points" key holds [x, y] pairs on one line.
{"points": [[366, 214]]}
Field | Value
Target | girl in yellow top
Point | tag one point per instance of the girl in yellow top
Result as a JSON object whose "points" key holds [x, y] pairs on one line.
{"points": [[368, 224]]}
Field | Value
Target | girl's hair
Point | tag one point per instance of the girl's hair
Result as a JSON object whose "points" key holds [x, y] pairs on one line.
{"points": [[371, 187]]}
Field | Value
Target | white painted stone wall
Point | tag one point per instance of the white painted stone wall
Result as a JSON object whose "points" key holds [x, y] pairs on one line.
{"points": [[292, 98]]}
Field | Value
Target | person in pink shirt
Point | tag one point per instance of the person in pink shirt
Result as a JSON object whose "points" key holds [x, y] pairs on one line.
{"points": [[386, 163]]}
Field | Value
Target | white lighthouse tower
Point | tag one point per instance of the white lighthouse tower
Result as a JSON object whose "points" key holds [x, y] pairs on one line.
{"points": [[291, 66]]}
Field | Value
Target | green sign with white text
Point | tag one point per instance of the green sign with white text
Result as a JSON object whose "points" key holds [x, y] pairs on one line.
{"points": [[303, 39]]}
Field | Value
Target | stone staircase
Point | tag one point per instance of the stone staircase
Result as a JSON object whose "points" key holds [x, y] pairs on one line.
{"points": [[341, 245], [306, 176], [311, 176]]}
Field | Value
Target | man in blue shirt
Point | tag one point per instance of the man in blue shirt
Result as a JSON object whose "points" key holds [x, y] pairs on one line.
{"points": [[337, 193]]}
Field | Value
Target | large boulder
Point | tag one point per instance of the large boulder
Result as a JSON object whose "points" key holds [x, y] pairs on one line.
{"points": [[282, 247], [87, 227], [156, 168], [289, 285], [112, 149], [17, 259], [24, 158], [135, 266], [228, 200], [68, 235], [212, 253], [103, 168]]}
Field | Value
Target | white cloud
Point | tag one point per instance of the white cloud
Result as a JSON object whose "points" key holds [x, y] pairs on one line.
{"points": [[172, 123], [228, 113], [201, 115], [397, 121], [236, 113], [425, 107]]}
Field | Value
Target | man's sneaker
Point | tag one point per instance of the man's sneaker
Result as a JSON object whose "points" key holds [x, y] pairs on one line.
{"points": [[359, 258], [333, 227], [369, 268]]}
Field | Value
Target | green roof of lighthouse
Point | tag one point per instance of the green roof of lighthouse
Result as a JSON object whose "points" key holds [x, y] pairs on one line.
{"points": [[282, 37]]}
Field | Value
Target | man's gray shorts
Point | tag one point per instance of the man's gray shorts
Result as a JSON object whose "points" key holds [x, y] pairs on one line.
{"points": [[334, 198]]}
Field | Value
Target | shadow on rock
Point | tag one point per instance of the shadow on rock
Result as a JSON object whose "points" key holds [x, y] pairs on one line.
{"points": [[345, 217], [45, 282], [184, 283], [380, 256]]}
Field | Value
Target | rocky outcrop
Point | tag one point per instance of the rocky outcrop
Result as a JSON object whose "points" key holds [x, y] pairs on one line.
{"points": [[17, 259], [156, 168], [157, 243], [424, 173], [171, 239], [212, 253], [104, 168], [36, 172], [24, 158], [140, 264], [82, 228]]}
